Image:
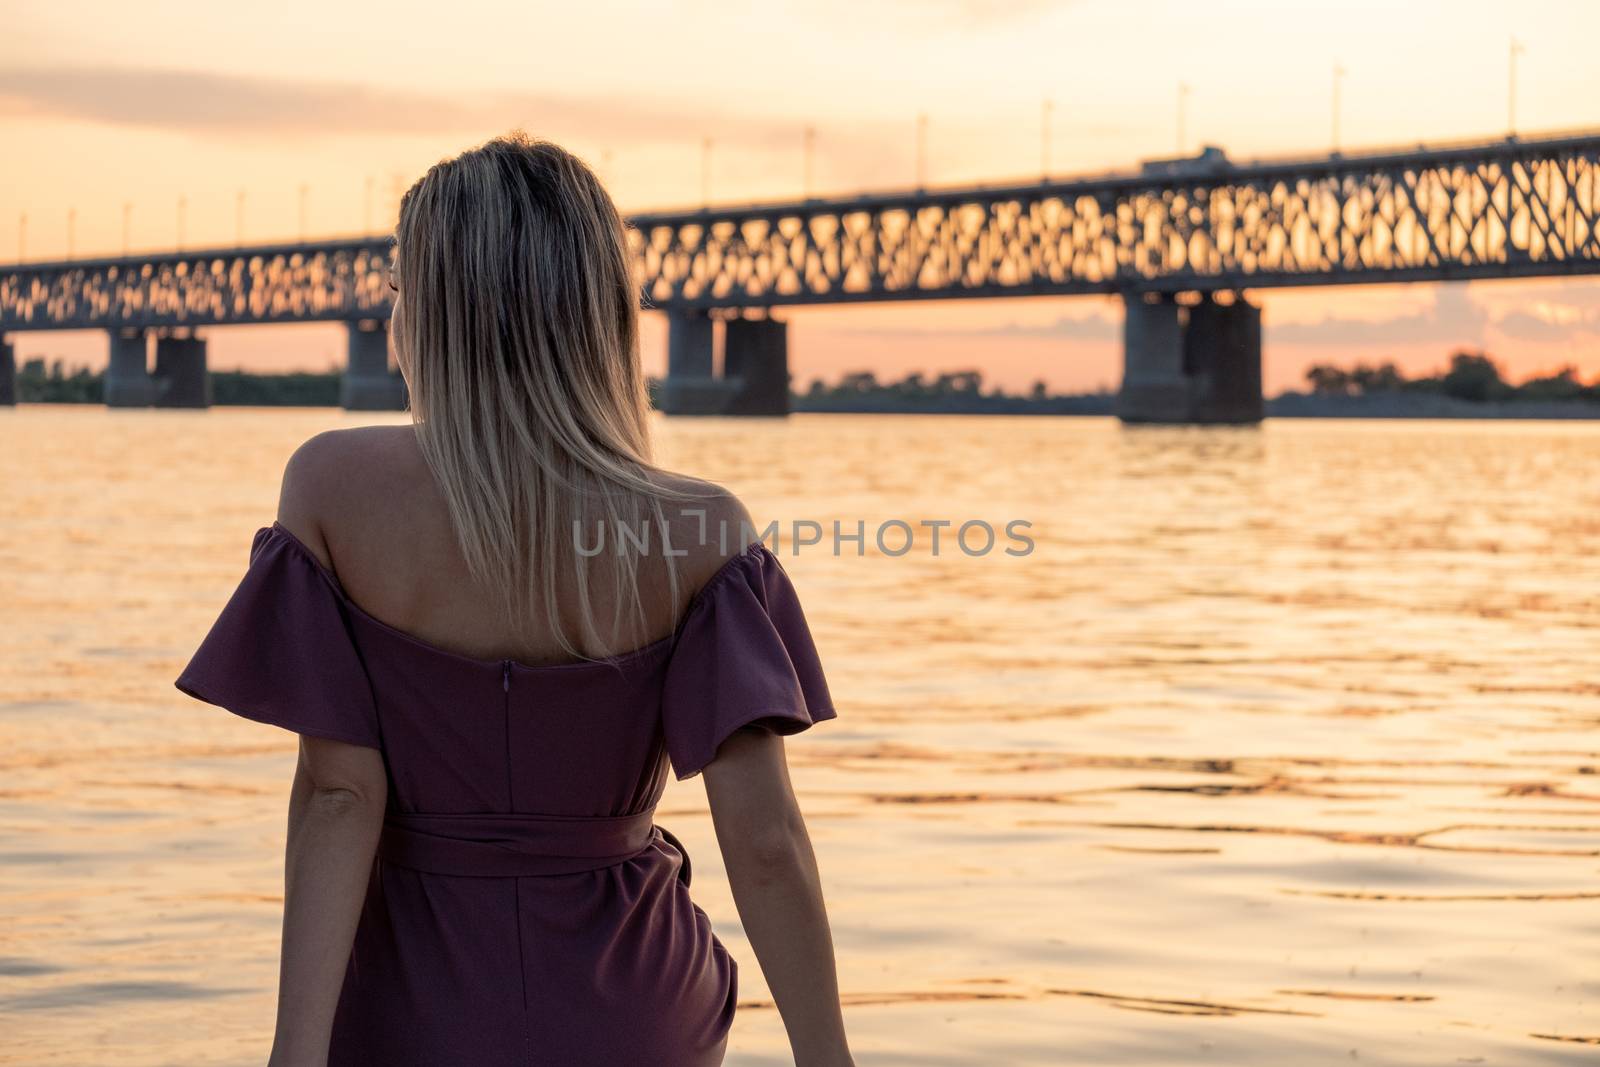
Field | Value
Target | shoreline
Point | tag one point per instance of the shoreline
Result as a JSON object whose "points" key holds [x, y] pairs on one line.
{"points": [[1288, 406], [1284, 405]]}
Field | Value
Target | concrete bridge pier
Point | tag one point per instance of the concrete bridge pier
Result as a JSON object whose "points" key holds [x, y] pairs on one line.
{"points": [[755, 366], [181, 380], [1222, 356], [1190, 364], [691, 386], [1154, 387], [368, 384], [8, 372], [755, 354], [127, 382]]}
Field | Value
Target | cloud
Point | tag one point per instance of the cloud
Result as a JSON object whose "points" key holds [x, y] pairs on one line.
{"points": [[926, 17], [1578, 292], [1547, 323], [199, 102], [1454, 318], [966, 14], [1093, 327], [212, 104]]}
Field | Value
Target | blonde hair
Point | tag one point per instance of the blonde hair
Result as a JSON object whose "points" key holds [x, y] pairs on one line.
{"points": [[517, 322]]}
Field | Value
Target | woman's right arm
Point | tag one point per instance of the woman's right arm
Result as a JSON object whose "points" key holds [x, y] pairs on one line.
{"points": [[773, 873]]}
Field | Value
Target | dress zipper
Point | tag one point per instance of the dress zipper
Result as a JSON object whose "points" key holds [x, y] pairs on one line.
{"points": [[505, 710]]}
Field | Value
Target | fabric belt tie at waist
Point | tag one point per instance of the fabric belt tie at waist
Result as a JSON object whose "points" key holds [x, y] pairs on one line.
{"points": [[517, 845]]}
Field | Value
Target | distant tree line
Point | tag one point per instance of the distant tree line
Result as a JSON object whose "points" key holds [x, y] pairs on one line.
{"points": [[55, 383], [953, 391], [1472, 376], [301, 389]]}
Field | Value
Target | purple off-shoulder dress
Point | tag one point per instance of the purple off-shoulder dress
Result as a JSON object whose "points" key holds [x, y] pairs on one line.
{"points": [[523, 908]]}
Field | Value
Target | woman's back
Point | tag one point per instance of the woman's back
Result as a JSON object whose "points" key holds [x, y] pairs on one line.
{"points": [[497, 631], [366, 498], [523, 898]]}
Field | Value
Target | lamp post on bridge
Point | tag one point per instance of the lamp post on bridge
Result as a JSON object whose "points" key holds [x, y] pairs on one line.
{"points": [[1044, 138], [705, 173], [1338, 77], [1511, 87], [1183, 117], [810, 155], [922, 151]]}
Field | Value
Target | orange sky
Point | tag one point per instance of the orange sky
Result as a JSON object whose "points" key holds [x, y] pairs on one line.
{"points": [[104, 105]]}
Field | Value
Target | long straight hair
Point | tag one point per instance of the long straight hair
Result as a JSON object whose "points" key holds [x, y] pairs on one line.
{"points": [[517, 321]]}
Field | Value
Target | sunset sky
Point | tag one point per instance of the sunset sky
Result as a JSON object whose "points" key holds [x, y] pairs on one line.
{"points": [[107, 104]]}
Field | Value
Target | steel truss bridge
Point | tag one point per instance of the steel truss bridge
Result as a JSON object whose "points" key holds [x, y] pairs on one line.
{"points": [[1498, 209], [1501, 209]]}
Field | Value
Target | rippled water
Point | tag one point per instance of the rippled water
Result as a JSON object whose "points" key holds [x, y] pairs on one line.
{"points": [[1280, 748]]}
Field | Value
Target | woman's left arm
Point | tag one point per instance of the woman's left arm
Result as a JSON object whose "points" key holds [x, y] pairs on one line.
{"points": [[336, 808]]}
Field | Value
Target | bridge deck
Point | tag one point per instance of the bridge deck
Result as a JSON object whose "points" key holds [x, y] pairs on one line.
{"points": [[1508, 208]]}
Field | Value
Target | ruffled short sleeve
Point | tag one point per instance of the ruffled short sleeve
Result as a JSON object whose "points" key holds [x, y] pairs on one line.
{"points": [[743, 656], [281, 652]]}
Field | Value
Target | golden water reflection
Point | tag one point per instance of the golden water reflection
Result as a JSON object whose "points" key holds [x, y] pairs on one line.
{"points": [[1278, 750]]}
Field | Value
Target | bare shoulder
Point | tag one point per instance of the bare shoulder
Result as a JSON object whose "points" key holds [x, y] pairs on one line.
{"points": [[708, 524], [347, 476]]}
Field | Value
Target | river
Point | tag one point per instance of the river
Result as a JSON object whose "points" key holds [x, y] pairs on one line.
{"points": [[1278, 748]]}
